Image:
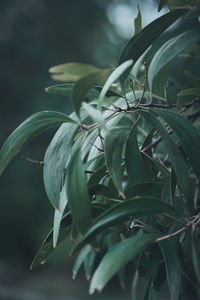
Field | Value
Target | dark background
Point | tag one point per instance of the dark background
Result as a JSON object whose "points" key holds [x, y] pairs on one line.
{"points": [[34, 36]]}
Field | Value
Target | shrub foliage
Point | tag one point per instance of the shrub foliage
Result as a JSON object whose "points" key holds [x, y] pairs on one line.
{"points": [[123, 170]]}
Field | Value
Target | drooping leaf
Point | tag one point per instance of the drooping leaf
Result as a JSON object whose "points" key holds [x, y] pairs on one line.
{"points": [[187, 135], [135, 167], [161, 4], [170, 50], [138, 21], [80, 260], [77, 193], [83, 85], [117, 257], [177, 160], [58, 214], [47, 247], [113, 145], [173, 268], [29, 129], [136, 207], [89, 264], [55, 161], [71, 71], [112, 78], [139, 43]]}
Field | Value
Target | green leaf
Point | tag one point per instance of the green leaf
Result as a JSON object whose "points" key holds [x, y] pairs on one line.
{"points": [[55, 161], [139, 43], [161, 4], [58, 214], [136, 207], [173, 268], [29, 129], [80, 260], [77, 193], [113, 146], [83, 85], [170, 50], [187, 135], [193, 78], [138, 21], [112, 78], [47, 247], [181, 3], [177, 160], [140, 188], [117, 257], [94, 114], [100, 189], [190, 92], [135, 167], [71, 71], [89, 264]]}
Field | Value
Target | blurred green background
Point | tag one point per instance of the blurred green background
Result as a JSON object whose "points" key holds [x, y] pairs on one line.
{"points": [[35, 35]]}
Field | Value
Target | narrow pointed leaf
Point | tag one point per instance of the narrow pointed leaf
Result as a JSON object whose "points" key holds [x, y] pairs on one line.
{"points": [[138, 21], [170, 50], [179, 164], [47, 247], [139, 43], [161, 4], [117, 257], [83, 85], [113, 145], [112, 78], [80, 260], [58, 214], [55, 161], [173, 268], [136, 207], [135, 167], [71, 71], [29, 129], [187, 135], [77, 193]]}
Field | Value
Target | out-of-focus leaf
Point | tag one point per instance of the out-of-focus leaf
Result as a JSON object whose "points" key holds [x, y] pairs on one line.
{"points": [[161, 4], [117, 257], [77, 193], [71, 71], [136, 207], [173, 268], [113, 145], [181, 3], [139, 43], [170, 50], [55, 161], [47, 247], [112, 78], [135, 167], [138, 21], [190, 92], [29, 129], [195, 260], [177, 160], [193, 78], [80, 259], [187, 135], [83, 85]]}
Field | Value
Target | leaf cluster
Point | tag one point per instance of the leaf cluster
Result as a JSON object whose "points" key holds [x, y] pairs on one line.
{"points": [[123, 170]]}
